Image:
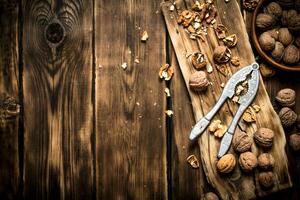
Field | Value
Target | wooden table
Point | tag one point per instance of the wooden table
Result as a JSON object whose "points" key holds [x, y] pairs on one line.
{"points": [[89, 129]]}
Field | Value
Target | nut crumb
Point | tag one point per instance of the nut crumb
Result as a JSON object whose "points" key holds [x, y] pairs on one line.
{"points": [[167, 91], [166, 72], [137, 61], [145, 36], [249, 115], [193, 161], [124, 65], [209, 68], [169, 113], [222, 85], [256, 108], [214, 125], [172, 8]]}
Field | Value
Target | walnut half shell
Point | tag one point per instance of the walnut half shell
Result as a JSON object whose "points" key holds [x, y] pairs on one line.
{"points": [[222, 54]]}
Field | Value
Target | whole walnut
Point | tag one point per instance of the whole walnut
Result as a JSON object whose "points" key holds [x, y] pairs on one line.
{"points": [[241, 142], [198, 81], [287, 117], [274, 9], [295, 141], [222, 54], [294, 23], [266, 179], [266, 161], [226, 164], [286, 97], [264, 137], [284, 36], [277, 52], [267, 43], [247, 161], [291, 55], [210, 196], [287, 15], [265, 21]]}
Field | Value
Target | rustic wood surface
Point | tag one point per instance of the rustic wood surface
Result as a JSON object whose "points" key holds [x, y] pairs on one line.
{"points": [[89, 129]]}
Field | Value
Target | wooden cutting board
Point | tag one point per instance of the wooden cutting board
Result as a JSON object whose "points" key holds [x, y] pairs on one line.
{"points": [[236, 185]]}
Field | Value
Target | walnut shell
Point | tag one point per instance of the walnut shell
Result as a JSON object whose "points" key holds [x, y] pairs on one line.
{"points": [[241, 142], [222, 54], [210, 196], [226, 164], [266, 161], [286, 97], [284, 36], [277, 52], [198, 60], [287, 15], [287, 117], [295, 141], [294, 23], [198, 81], [297, 41], [291, 55], [266, 179], [267, 43], [265, 21], [264, 137], [274, 33], [274, 9], [247, 161]]}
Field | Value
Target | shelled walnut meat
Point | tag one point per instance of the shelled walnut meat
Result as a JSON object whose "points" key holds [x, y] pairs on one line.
{"points": [[198, 60], [241, 142], [263, 137], [287, 117], [226, 164], [247, 161], [198, 81], [286, 97], [278, 29], [266, 161]]}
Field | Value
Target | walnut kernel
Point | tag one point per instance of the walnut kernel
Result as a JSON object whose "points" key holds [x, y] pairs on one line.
{"points": [[198, 60], [235, 60], [166, 72]]}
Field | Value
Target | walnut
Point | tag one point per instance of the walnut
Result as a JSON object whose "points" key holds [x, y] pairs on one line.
{"points": [[221, 31], [284, 36], [250, 5], [247, 161], [9, 108], [265, 21], [226, 164], [264, 137], [287, 117], [295, 141], [266, 179], [291, 55], [222, 68], [286, 97], [193, 161], [217, 128], [166, 72], [249, 115], [274, 9], [297, 41], [287, 15], [230, 40], [235, 60], [294, 23], [241, 142], [198, 81], [198, 60], [266, 71], [222, 54], [274, 33], [267, 43], [214, 125], [277, 52], [210, 196], [266, 161]]}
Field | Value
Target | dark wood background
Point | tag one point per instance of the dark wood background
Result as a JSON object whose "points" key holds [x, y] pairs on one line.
{"points": [[87, 128]]}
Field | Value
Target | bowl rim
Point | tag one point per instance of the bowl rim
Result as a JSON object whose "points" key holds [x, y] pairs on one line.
{"points": [[257, 46]]}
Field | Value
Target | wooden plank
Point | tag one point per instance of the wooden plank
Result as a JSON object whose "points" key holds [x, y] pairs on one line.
{"points": [[238, 186], [57, 80], [9, 87], [130, 104], [187, 183]]}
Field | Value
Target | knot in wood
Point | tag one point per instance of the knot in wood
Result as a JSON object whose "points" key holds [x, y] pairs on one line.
{"points": [[54, 32]]}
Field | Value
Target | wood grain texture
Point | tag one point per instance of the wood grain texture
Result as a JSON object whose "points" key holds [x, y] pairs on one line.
{"points": [[9, 85], [130, 104], [57, 80], [187, 183], [237, 185]]}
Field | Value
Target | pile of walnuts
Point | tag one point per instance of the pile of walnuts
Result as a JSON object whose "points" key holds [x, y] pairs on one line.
{"points": [[280, 37]]}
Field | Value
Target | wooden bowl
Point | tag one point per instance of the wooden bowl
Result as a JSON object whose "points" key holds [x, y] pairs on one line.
{"points": [[264, 55]]}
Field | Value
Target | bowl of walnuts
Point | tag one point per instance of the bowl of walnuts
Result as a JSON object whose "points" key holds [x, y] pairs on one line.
{"points": [[276, 33]]}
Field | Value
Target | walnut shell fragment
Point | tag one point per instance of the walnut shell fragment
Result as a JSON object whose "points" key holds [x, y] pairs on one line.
{"points": [[221, 31], [198, 60], [230, 41], [241, 142], [226, 164], [247, 161], [193, 161], [166, 72], [222, 54]]}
